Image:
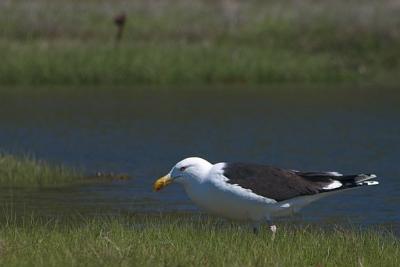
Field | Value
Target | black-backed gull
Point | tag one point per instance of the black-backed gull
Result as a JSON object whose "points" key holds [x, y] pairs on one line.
{"points": [[253, 192]]}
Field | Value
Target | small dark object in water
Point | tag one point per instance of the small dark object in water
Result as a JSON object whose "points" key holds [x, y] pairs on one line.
{"points": [[119, 21]]}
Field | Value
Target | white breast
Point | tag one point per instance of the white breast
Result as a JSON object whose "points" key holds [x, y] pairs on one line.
{"points": [[216, 196]]}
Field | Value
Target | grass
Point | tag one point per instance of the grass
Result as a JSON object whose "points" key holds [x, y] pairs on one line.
{"points": [[26, 171], [199, 42], [161, 64], [186, 241]]}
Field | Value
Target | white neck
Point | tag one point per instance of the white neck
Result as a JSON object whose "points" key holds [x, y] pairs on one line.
{"points": [[196, 174]]}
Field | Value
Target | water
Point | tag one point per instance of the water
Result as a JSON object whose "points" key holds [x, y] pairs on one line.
{"points": [[144, 134]]}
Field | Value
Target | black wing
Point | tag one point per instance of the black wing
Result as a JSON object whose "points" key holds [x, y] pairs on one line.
{"points": [[280, 184]]}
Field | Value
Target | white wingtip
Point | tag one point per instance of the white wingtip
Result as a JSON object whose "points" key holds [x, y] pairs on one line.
{"points": [[369, 183]]}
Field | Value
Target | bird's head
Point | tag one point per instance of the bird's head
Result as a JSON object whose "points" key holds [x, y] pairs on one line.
{"points": [[185, 171]]}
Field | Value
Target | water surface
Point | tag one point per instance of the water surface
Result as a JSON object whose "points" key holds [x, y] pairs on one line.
{"points": [[144, 132]]}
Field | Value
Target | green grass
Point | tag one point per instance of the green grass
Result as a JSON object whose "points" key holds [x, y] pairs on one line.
{"points": [[165, 64], [185, 241], [199, 42], [26, 171]]}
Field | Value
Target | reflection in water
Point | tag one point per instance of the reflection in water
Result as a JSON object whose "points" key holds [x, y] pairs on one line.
{"points": [[144, 133]]}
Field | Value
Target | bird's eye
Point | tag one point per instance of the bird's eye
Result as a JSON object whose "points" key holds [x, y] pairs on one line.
{"points": [[182, 169]]}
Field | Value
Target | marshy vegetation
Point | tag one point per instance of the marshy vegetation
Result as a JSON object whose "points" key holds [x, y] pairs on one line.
{"points": [[186, 241], [182, 42], [27, 171]]}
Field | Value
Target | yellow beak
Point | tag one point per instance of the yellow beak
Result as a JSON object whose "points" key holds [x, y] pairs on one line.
{"points": [[162, 182]]}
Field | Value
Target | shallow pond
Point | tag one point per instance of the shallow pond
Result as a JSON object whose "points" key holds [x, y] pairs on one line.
{"points": [[144, 132]]}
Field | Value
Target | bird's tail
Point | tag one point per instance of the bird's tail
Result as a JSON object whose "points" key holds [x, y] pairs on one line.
{"points": [[362, 179], [333, 181]]}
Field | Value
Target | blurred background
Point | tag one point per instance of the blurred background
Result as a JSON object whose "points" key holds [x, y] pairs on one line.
{"points": [[132, 87], [180, 42]]}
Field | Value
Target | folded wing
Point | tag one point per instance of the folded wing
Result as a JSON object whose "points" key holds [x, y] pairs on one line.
{"points": [[280, 184]]}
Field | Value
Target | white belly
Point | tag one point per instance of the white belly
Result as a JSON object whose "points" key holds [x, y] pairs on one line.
{"points": [[231, 202]]}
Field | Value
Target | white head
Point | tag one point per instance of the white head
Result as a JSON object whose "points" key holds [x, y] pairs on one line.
{"points": [[184, 172]]}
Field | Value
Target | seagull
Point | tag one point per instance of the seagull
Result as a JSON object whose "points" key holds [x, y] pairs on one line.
{"points": [[253, 192]]}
